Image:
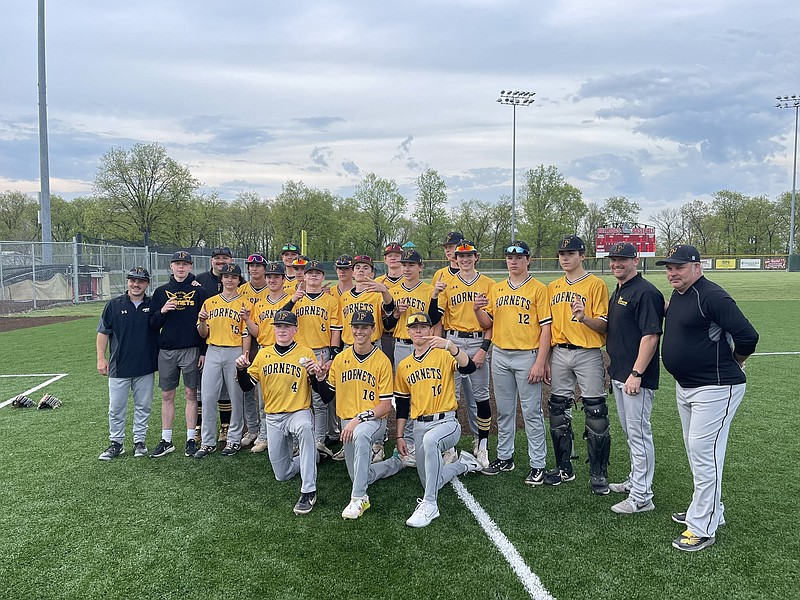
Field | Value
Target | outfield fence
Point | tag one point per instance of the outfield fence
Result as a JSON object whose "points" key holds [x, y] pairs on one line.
{"points": [[36, 275]]}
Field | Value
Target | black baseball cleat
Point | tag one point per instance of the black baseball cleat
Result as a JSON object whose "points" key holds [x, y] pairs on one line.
{"points": [[231, 449], [599, 485], [191, 448], [164, 447], [113, 451], [205, 451], [305, 503], [535, 477], [558, 476], [499, 465]]}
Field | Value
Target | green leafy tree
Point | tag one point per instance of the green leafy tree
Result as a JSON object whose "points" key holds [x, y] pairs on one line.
{"points": [[618, 209], [698, 225], [146, 188], [299, 208], [381, 205], [18, 216], [430, 212]]}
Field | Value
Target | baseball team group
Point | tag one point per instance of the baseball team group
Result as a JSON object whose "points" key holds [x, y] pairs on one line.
{"points": [[306, 371]]}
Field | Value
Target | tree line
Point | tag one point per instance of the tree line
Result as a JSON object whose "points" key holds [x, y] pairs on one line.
{"points": [[141, 196]]}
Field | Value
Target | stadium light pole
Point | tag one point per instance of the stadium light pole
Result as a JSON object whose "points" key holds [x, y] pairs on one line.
{"points": [[792, 101], [515, 99]]}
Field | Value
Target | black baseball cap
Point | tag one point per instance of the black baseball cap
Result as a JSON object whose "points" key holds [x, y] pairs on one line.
{"points": [[182, 255], [454, 237], [275, 268], [419, 317], [623, 250], [362, 317], [571, 242], [411, 256], [285, 317], [518, 247], [290, 247], [345, 261], [680, 254], [138, 273], [230, 269], [315, 265], [221, 251]]}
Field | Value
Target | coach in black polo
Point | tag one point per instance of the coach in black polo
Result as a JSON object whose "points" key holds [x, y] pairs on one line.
{"points": [[635, 316]]}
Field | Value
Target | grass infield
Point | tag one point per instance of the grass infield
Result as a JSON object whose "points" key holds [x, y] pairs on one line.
{"points": [[76, 527]]}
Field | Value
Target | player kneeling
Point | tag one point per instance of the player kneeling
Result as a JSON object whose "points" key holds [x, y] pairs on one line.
{"points": [[360, 378], [281, 369], [425, 390]]}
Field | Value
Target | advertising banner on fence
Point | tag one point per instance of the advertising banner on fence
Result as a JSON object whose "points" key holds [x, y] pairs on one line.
{"points": [[775, 263], [749, 263], [726, 263], [641, 236]]}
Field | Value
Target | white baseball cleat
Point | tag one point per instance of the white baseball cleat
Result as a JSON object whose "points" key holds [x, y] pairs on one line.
{"points": [[356, 508], [483, 458], [470, 461], [377, 452], [449, 456], [423, 514], [631, 507]]}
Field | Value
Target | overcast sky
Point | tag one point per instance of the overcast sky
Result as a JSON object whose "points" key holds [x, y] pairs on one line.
{"points": [[661, 102]]}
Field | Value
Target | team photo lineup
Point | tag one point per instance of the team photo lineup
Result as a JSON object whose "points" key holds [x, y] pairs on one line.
{"points": [[277, 361]]}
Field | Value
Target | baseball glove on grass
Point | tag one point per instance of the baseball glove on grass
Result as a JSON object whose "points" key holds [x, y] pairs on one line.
{"points": [[22, 401], [49, 401]]}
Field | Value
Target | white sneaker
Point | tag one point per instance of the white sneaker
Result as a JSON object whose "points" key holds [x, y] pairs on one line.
{"points": [[476, 443], [472, 463], [248, 438], [621, 488], [483, 458], [631, 507], [322, 449], [339, 455], [449, 456], [410, 459], [377, 452], [356, 508], [424, 514], [259, 446]]}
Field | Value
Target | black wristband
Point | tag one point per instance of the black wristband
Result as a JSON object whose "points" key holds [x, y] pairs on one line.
{"points": [[486, 344]]}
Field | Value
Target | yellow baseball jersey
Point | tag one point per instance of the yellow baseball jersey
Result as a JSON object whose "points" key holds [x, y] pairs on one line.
{"points": [[290, 285], [263, 314], [285, 386], [225, 325], [593, 292], [446, 274], [456, 301], [316, 317], [253, 294], [419, 299], [518, 313], [360, 384], [371, 302], [389, 282], [336, 292], [428, 382]]}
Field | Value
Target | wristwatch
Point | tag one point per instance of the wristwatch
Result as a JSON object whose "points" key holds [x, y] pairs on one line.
{"points": [[636, 373]]}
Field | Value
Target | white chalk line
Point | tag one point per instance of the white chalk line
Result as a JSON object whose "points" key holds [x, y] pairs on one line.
{"points": [[53, 378], [528, 578], [775, 353]]}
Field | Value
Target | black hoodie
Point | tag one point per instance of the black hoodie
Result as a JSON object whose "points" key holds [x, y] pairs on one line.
{"points": [[178, 328]]}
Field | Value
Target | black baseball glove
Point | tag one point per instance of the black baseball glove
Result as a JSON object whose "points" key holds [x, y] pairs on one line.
{"points": [[49, 401], [22, 401]]}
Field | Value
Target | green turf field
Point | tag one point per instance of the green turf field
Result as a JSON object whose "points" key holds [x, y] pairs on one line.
{"points": [[75, 527]]}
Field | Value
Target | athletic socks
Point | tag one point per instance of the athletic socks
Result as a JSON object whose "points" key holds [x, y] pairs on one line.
{"points": [[166, 434]]}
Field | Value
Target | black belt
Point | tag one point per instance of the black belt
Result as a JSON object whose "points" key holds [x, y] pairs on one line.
{"points": [[218, 346], [465, 334], [404, 340], [570, 347], [429, 418]]}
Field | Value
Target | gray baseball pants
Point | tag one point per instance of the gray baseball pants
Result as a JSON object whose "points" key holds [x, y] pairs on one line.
{"points": [[221, 366], [634, 417], [476, 385], [282, 428], [118, 389], [431, 438], [706, 414], [401, 352], [358, 456], [322, 412], [510, 370]]}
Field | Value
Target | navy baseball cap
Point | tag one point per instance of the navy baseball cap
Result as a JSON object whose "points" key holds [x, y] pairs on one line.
{"points": [[315, 265], [230, 269], [275, 268], [221, 251], [182, 255], [362, 317], [285, 317], [138, 273], [411, 256], [345, 261], [680, 254], [571, 242], [623, 250], [454, 237], [518, 247]]}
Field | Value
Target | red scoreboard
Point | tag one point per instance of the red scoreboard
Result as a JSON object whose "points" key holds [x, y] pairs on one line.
{"points": [[641, 236]]}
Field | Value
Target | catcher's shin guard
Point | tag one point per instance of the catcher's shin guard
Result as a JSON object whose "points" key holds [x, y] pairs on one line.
{"points": [[561, 431], [597, 435]]}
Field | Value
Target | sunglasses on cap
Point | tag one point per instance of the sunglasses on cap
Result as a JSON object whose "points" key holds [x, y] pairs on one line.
{"points": [[418, 319], [299, 262], [363, 258], [466, 248], [256, 258], [290, 248], [516, 250]]}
